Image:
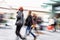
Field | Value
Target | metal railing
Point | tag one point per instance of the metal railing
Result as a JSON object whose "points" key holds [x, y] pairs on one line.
{"points": [[24, 9]]}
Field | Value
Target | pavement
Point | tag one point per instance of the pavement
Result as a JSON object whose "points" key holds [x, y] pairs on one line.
{"points": [[8, 33]]}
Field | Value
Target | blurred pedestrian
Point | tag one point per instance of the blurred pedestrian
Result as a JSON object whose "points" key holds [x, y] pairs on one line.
{"points": [[34, 22], [55, 23], [19, 22], [29, 23], [39, 22]]}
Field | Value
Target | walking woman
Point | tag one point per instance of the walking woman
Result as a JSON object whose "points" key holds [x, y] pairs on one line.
{"points": [[19, 22], [34, 22], [29, 23]]}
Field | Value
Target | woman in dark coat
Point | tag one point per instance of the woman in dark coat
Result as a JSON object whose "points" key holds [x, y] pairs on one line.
{"points": [[29, 23], [20, 20]]}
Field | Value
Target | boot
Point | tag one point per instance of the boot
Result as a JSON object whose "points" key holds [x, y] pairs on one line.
{"points": [[34, 38], [23, 38]]}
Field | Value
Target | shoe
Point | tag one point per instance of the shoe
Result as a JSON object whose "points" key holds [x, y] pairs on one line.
{"points": [[23, 38], [34, 38]]}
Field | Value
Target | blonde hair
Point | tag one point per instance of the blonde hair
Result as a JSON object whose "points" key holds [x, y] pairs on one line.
{"points": [[29, 12]]}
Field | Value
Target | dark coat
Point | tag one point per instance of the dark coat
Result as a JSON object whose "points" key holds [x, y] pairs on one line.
{"points": [[29, 21]]}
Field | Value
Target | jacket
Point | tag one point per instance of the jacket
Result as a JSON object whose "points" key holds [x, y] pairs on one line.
{"points": [[21, 16], [29, 21]]}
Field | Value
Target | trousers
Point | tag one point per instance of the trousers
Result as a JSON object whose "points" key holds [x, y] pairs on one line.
{"points": [[28, 31], [18, 28]]}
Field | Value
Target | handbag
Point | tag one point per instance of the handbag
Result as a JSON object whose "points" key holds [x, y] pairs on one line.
{"points": [[50, 27], [26, 24], [19, 22], [18, 16]]}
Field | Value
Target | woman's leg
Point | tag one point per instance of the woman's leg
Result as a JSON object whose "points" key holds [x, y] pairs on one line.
{"points": [[27, 31], [32, 34], [17, 27], [18, 31]]}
